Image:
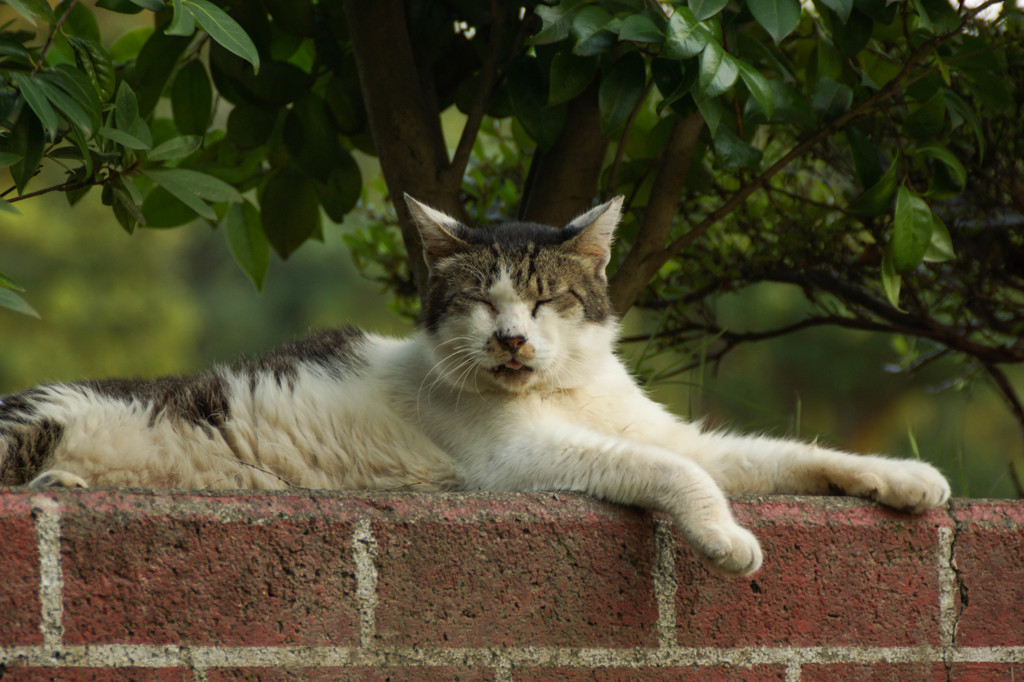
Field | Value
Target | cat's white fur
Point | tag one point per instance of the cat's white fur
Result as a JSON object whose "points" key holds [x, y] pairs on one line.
{"points": [[432, 412]]}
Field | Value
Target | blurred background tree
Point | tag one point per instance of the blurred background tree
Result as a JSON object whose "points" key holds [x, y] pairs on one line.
{"points": [[839, 182]]}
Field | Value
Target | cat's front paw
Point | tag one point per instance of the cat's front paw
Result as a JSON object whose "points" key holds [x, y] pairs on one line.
{"points": [[902, 484], [730, 549]]}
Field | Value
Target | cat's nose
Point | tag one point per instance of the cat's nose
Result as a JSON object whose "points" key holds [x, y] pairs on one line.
{"points": [[511, 343]]}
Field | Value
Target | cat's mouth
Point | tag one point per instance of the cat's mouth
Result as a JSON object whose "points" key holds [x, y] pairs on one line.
{"points": [[511, 368]]}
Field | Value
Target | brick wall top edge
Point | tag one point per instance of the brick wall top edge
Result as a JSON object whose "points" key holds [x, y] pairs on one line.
{"points": [[469, 507]]}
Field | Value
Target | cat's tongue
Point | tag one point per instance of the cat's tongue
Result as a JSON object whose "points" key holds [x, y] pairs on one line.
{"points": [[514, 364]]}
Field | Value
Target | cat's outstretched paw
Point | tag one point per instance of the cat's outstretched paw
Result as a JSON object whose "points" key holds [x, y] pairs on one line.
{"points": [[731, 549], [58, 478], [906, 484]]}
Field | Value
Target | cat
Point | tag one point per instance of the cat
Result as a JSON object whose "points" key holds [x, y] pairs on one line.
{"points": [[511, 383]]}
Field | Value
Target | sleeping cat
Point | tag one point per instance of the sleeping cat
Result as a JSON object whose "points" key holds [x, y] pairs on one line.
{"points": [[511, 383]]}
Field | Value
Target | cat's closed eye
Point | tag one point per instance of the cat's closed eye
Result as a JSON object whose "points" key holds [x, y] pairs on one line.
{"points": [[538, 304]]}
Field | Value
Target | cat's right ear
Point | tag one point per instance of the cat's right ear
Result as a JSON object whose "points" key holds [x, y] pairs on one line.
{"points": [[440, 234]]}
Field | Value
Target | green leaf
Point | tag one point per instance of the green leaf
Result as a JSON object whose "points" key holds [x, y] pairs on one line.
{"points": [[527, 91], [758, 86], [595, 31], [7, 158], [842, 8], [891, 280], [864, 155], [95, 63], [249, 125], [175, 148], [557, 21], [33, 10], [67, 105], [927, 120], [958, 107], [621, 88], [830, 99], [852, 35], [705, 9], [778, 17], [341, 192], [12, 301], [37, 101], [943, 155], [639, 28], [732, 152], [124, 139], [119, 6], [27, 139], [912, 229], [154, 65], [183, 23], [940, 248], [192, 188], [224, 30], [151, 5], [8, 207], [713, 112], [247, 242], [161, 210], [8, 283], [289, 210], [570, 75], [202, 185], [685, 37], [126, 107], [192, 99], [76, 84], [129, 44], [718, 71], [876, 199]]}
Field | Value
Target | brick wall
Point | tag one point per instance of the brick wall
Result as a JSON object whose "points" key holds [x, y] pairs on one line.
{"points": [[118, 585]]}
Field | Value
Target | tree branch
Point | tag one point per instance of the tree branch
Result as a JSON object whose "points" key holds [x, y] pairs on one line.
{"points": [[406, 129], [661, 210], [452, 176]]}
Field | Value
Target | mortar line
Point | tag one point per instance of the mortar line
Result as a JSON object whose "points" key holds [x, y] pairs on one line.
{"points": [[503, 670], [207, 657], [793, 672], [51, 577], [665, 583], [947, 588], [364, 552]]}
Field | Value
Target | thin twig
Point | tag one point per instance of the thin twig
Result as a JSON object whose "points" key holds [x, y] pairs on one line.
{"points": [[49, 39]]}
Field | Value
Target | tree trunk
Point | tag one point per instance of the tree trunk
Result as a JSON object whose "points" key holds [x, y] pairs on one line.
{"points": [[406, 127]]}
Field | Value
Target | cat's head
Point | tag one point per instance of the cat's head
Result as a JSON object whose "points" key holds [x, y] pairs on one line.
{"points": [[517, 306]]}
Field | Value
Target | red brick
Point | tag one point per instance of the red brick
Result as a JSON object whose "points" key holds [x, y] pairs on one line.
{"points": [[874, 672], [718, 673], [159, 570], [424, 674], [989, 555], [96, 674], [838, 572], [986, 672], [19, 573], [542, 570]]}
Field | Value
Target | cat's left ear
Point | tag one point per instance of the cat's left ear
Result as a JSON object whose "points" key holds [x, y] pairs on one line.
{"points": [[440, 233], [596, 229]]}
